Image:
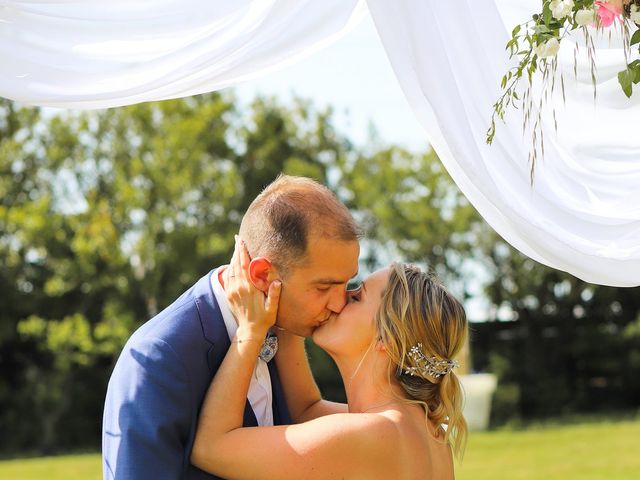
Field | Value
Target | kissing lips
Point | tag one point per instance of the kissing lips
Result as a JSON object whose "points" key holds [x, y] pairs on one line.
{"points": [[321, 323], [330, 317]]}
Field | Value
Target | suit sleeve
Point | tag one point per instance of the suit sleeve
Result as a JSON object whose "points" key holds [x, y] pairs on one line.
{"points": [[147, 415]]}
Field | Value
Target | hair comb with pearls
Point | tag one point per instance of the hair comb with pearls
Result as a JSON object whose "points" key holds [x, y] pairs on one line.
{"points": [[428, 366]]}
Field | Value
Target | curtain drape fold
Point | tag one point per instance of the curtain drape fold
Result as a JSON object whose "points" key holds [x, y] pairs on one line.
{"points": [[97, 53], [582, 213]]}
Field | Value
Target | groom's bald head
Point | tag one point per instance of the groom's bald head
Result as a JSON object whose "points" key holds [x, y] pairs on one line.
{"points": [[280, 221]]}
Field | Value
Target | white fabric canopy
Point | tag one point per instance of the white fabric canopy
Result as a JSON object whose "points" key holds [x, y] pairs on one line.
{"points": [[108, 53], [583, 213]]}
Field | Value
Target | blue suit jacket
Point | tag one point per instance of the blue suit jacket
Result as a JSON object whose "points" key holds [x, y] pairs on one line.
{"points": [[157, 387]]}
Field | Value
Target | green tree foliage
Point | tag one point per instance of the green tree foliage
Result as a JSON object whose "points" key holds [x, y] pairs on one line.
{"points": [[413, 210], [106, 217], [569, 346]]}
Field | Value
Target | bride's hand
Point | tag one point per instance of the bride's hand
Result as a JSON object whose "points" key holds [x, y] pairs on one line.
{"points": [[254, 311]]}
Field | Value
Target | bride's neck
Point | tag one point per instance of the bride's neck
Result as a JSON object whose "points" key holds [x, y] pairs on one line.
{"points": [[367, 383]]}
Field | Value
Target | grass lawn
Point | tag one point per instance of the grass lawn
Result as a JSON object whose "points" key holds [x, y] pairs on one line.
{"points": [[67, 467], [589, 451]]}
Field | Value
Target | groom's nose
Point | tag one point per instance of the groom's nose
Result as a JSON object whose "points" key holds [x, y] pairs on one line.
{"points": [[337, 300]]}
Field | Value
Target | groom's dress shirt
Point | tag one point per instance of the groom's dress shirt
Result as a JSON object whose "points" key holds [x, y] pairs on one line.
{"points": [[260, 394]]}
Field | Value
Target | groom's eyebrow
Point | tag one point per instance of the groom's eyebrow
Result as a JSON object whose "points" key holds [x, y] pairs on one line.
{"points": [[328, 281], [333, 281]]}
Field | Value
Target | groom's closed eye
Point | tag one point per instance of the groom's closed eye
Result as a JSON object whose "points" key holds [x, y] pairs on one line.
{"points": [[325, 284]]}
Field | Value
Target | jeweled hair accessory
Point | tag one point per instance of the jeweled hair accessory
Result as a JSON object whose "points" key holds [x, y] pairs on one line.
{"points": [[431, 366]]}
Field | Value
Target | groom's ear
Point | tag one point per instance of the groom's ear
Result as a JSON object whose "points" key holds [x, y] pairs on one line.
{"points": [[262, 273]]}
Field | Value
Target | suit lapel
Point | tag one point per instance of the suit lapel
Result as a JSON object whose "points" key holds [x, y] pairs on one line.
{"points": [[215, 332], [279, 405], [213, 328]]}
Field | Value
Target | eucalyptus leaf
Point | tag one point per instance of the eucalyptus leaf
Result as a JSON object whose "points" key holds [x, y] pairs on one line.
{"points": [[636, 70], [541, 29], [625, 78], [546, 14]]}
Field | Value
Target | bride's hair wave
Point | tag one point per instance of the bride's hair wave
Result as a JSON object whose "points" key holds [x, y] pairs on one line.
{"points": [[417, 309]]}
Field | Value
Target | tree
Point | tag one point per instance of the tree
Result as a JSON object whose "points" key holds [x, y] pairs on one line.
{"points": [[414, 212], [569, 346], [106, 218]]}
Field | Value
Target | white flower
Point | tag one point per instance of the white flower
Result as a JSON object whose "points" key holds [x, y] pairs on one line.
{"points": [[561, 8], [635, 13], [549, 48], [585, 16]]}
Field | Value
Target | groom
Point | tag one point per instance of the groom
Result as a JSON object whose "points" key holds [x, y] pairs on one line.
{"points": [[297, 231]]}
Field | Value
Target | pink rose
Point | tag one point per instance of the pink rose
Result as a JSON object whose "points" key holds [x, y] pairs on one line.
{"points": [[608, 11]]}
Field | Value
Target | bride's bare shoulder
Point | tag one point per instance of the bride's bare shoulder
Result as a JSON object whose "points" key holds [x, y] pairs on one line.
{"points": [[366, 433], [355, 422]]}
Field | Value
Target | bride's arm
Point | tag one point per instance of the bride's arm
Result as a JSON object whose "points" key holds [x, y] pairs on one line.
{"points": [[300, 389], [332, 446]]}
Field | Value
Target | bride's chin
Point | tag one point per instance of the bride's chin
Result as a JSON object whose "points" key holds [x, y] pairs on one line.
{"points": [[321, 337], [323, 342], [317, 336]]}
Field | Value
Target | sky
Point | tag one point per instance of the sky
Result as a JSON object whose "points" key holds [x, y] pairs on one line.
{"points": [[354, 77]]}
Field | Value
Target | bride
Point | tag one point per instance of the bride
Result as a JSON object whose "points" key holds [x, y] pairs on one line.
{"points": [[393, 343]]}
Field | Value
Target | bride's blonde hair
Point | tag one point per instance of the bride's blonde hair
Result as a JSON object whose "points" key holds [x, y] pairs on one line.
{"points": [[417, 309]]}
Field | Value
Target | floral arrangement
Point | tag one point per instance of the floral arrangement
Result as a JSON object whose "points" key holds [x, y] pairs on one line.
{"points": [[536, 44]]}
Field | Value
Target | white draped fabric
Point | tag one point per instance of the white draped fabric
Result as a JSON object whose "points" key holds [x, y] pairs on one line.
{"points": [[582, 214], [108, 53]]}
